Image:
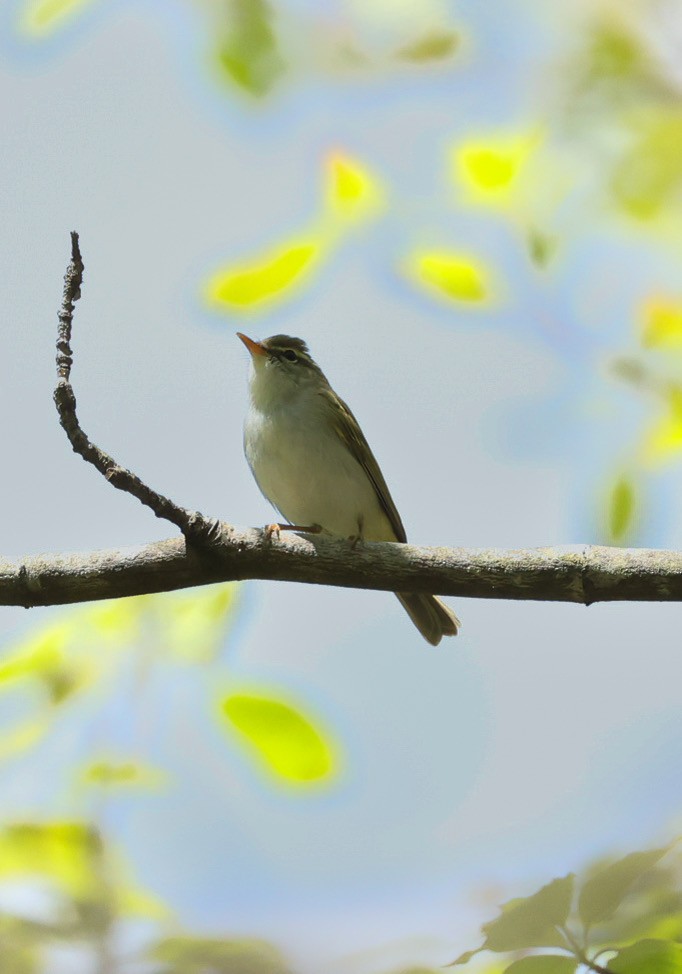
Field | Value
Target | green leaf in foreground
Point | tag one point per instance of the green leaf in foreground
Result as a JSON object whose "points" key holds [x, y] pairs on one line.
{"points": [[532, 921], [187, 953], [648, 957], [604, 891], [287, 743], [464, 958], [543, 964]]}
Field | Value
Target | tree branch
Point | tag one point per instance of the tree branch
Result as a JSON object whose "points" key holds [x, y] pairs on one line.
{"points": [[582, 574], [221, 553]]}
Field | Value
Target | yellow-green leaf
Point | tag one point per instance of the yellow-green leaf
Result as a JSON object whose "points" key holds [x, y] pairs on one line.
{"points": [[287, 743], [648, 957], [194, 954], [650, 173], [21, 737], [456, 276], [543, 964], [352, 191], [437, 45], [264, 279], [67, 852], [663, 443], [194, 623], [42, 657], [622, 506], [541, 247], [122, 774], [464, 958], [662, 324], [40, 17], [488, 169], [248, 52], [532, 921], [606, 888]]}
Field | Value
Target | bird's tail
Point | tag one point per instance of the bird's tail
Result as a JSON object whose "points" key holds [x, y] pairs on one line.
{"points": [[432, 617]]}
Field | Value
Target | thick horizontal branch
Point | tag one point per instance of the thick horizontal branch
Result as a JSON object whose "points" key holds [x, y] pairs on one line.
{"points": [[576, 574]]}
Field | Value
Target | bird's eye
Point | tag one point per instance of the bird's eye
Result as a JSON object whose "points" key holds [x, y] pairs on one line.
{"points": [[290, 355]]}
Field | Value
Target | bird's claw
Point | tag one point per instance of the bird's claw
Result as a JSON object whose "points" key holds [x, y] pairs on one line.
{"points": [[274, 530]]}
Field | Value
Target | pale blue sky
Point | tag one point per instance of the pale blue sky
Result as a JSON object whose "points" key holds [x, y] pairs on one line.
{"points": [[544, 734]]}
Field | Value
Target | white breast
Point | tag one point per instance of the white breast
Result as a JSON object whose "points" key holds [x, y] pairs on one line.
{"points": [[306, 472]]}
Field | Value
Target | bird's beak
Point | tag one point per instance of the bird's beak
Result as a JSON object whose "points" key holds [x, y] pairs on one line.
{"points": [[255, 348]]}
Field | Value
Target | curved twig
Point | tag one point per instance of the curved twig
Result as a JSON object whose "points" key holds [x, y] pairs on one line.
{"points": [[192, 524]]}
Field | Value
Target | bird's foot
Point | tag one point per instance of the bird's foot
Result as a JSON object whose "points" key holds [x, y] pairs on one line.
{"points": [[360, 536], [273, 530]]}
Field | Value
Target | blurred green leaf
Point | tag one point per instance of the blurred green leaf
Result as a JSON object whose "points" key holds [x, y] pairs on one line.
{"points": [[541, 247], [269, 276], [464, 958], [248, 52], [458, 277], [532, 921], [662, 323], [434, 46], [42, 657], [648, 957], [605, 890], [663, 441], [20, 943], [194, 622], [621, 509], [70, 853], [124, 774], [197, 955], [650, 173], [288, 743], [614, 69], [543, 964], [115, 622], [42, 17], [352, 191], [22, 736], [614, 51]]}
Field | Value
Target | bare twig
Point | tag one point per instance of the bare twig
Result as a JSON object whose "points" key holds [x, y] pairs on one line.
{"points": [[192, 524]]}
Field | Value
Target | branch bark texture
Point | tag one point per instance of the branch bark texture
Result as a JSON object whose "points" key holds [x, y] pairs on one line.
{"points": [[578, 574]]}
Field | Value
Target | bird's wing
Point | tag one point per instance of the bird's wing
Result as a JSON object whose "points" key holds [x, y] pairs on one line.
{"points": [[347, 427]]}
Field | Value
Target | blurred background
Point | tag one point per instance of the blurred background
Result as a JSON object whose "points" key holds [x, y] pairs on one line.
{"points": [[473, 215]]}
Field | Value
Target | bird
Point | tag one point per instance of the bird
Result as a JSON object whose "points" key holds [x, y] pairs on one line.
{"points": [[311, 461]]}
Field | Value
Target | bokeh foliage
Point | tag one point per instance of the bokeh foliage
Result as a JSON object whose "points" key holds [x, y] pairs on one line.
{"points": [[601, 155], [80, 651], [622, 916]]}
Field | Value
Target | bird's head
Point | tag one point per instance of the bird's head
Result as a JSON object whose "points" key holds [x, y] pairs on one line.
{"points": [[282, 365]]}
